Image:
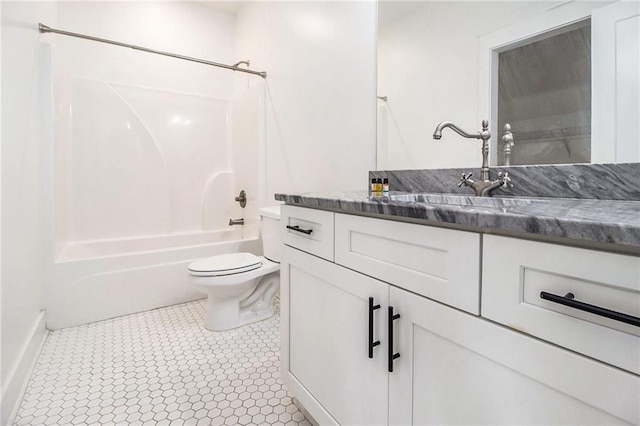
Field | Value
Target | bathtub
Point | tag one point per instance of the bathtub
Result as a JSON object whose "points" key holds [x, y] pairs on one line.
{"points": [[101, 279]]}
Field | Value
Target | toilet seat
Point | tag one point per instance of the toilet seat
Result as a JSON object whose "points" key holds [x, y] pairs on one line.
{"points": [[225, 264]]}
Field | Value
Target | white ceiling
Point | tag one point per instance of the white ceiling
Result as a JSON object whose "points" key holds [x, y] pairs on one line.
{"points": [[229, 6]]}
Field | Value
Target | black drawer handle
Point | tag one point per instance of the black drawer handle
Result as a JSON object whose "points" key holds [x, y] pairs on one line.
{"points": [[392, 355], [298, 229], [372, 344], [568, 300]]}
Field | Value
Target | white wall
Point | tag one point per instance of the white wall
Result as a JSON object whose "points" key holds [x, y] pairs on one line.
{"points": [[183, 27], [26, 201], [320, 60]]}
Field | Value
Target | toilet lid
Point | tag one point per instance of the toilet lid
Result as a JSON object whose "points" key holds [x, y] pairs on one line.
{"points": [[225, 264]]}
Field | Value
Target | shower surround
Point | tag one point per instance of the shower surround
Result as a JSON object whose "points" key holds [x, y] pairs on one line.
{"points": [[149, 154]]}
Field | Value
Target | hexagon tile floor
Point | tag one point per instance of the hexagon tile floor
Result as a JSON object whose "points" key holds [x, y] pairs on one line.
{"points": [[160, 367]]}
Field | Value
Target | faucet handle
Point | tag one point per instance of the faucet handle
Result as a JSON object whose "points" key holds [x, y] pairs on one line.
{"points": [[506, 180], [464, 179]]}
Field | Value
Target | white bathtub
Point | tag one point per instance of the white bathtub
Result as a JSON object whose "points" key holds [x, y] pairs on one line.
{"points": [[100, 279], [125, 246]]}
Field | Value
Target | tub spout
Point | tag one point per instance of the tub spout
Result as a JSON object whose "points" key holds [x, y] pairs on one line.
{"points": [[233, 222]]}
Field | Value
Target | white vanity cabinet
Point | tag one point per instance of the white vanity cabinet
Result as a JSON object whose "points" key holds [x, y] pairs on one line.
{"points": [[438, 360]]}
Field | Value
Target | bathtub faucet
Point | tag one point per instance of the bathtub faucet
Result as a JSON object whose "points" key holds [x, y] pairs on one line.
{"points": [[242, 199], [236, 222]]}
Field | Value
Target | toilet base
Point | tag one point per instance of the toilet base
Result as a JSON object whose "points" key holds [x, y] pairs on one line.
{"points": [[255, 305], [213, 325]]}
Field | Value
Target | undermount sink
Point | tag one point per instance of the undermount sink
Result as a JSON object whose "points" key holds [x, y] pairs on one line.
{"points": [[459, 200]]}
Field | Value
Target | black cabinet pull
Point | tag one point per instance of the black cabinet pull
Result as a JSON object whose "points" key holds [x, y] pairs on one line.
{"points": [[392, 356], [372, 344], [568, 300], [298, 229]]}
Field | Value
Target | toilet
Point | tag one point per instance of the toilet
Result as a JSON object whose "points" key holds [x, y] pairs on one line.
{"points": [[241, 286]]}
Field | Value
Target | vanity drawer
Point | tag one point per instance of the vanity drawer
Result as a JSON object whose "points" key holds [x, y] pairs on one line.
{"points": [[309, 230], [516, 272], [441, 264]]}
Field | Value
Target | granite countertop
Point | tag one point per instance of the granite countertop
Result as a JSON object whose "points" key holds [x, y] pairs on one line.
{"points": [[607, 224]]}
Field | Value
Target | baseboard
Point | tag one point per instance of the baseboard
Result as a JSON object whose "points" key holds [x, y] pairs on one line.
{"points": [[15, 384], [304, 411]]}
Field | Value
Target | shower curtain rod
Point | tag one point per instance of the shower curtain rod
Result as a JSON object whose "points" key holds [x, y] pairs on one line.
{"points": [[45, 29]]}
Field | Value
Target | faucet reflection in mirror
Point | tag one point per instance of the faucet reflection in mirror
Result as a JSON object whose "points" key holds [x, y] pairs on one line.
{"points": [[507, 144], [485, 185]]}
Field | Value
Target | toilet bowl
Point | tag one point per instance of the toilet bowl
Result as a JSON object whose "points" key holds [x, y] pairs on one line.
{"points": [[240, 286]]}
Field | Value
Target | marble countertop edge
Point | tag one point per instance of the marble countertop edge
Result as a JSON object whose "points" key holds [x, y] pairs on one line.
{"points": [[609, 224]]}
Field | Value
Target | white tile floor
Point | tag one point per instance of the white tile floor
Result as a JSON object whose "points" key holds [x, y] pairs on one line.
{"points": [[160, 367]]}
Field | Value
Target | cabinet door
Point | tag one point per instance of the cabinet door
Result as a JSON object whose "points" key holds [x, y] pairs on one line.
{"points": [[615, 83], [325, 340], [455, 368]]}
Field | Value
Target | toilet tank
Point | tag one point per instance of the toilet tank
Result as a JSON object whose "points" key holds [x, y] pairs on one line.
{"points": [[270, 232]]}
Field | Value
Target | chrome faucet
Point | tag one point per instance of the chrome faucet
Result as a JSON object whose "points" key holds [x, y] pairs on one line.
{"points": [[233, 222], [242, 199], [485, 185]]}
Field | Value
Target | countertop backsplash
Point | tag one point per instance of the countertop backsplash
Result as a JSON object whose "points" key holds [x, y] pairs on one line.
{"points": [[595, 181]]}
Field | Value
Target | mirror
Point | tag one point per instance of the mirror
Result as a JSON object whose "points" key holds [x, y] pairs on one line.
{"points": [[440, 60]]}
